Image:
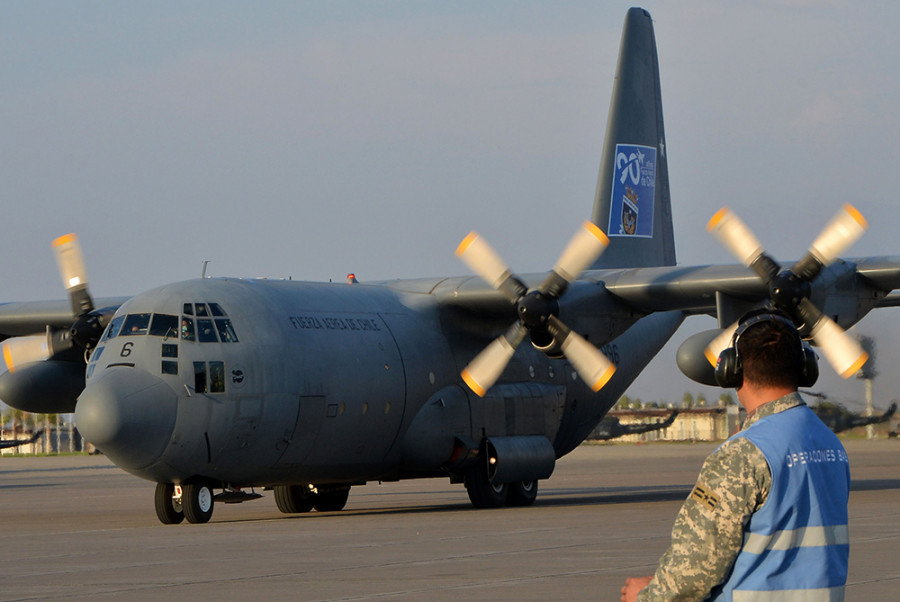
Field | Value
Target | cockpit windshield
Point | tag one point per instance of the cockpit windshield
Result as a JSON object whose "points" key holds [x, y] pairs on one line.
{"points": [[211, 325], [135, 324]]}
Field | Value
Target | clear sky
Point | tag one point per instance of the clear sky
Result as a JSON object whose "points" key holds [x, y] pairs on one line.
{"points": [[309, 140]]}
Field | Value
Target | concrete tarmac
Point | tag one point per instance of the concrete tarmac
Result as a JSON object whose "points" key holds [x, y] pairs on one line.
{"points": [[77, 528]]}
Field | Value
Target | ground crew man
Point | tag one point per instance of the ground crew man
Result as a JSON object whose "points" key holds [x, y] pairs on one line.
{"points": [[767, 518]]}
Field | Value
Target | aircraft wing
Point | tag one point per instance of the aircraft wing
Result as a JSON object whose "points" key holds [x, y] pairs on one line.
{"points": [[33, 317], [847, 290]]}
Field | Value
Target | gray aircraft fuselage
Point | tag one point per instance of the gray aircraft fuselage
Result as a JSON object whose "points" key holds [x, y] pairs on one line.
{"points": [[296, 382]]}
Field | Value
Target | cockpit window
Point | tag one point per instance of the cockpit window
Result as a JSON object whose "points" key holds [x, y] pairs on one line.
{"points": [[135, 324], [205, 331], [187, 328], [226, 331], [164, 325], [211, 325], [113, 329]]}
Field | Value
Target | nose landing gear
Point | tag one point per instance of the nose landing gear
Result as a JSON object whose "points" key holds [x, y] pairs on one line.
{"points": [[191, 501]]}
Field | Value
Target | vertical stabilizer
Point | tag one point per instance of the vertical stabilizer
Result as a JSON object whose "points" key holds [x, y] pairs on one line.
{"points": [[632, 202]]}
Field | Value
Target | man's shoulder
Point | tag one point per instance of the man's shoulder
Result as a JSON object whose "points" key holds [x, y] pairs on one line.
{"points": [[734, 460]]}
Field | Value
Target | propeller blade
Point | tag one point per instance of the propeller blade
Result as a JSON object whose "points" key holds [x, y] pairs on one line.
{"points": [[842, 231], [583, 250], [483, 371], [594, 368], [586, 246], [74, 274], [22, 350], [842, 351], [735, 236], [720, 343], [487, 263]]}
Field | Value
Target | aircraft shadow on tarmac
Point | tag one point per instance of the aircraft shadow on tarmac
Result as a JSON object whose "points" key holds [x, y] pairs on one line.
{"points": [[583, 496]]}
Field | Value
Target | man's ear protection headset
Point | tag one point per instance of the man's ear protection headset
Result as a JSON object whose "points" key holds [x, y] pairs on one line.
{"points": [[730, 371]]}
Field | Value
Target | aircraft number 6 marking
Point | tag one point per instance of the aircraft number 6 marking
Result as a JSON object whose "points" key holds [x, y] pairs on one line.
{"points": [[126, 349]]}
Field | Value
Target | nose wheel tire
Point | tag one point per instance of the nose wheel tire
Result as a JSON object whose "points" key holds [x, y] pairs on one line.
{"points": [[168, 510], [197, 500], [293, 499]]}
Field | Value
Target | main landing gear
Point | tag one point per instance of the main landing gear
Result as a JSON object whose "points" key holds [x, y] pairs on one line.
{"points": [[294, 499], [485, 494]]}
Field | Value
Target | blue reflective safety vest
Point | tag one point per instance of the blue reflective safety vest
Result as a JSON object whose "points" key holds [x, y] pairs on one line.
{"points": [[797, 546]]}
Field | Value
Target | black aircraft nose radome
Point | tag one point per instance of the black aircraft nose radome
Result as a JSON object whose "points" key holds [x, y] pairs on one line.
{"points": [[128, 414]]}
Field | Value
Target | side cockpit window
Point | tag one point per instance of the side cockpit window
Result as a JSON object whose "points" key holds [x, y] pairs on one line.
{"points": [[226, 331], [113, 329]]}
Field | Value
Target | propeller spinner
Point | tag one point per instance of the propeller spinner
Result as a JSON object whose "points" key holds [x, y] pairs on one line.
{"points": [[537, 309], [789, 290]]}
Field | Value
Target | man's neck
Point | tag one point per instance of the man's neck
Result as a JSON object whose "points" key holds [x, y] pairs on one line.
{"points": [[752, 397]]}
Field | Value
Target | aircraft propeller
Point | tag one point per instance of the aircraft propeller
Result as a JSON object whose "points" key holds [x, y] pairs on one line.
{"points": [[85, 332], [789, 290], [537, 309]]}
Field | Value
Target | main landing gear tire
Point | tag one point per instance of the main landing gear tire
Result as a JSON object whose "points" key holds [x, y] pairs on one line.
{"points": [[331, 500], [522, 493], [197, 501], [293, 499], [483, 493], [168, 511]]}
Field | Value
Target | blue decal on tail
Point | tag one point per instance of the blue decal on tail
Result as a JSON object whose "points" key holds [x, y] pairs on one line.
{"points": [[633, 191]]}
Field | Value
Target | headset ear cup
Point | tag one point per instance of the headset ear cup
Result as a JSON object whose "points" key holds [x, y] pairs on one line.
{"points": [[728, 369], [810, 368]]}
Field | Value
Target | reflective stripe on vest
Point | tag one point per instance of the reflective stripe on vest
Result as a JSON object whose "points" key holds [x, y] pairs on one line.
{"points": [[757, 543]]}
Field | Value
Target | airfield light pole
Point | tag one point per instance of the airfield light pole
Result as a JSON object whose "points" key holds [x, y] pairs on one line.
{"points": [[868, 374]]}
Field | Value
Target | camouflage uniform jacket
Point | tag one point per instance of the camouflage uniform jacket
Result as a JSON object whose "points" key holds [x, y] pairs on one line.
{"points": [[709, 531]]}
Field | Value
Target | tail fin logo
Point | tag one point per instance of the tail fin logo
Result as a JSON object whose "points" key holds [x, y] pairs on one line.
{"points": [[633, 191]]}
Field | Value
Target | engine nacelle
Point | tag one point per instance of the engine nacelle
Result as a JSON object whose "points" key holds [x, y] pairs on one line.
{"points": [[50, 387], [691, 358]]}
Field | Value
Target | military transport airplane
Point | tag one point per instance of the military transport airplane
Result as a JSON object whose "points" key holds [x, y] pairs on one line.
{"points": [[309, 389]]}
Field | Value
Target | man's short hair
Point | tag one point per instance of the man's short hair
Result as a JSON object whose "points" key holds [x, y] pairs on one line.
{"points": [[771, 354]]}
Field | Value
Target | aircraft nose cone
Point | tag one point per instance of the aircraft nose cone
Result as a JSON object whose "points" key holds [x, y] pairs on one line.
{"points": [[128, 414]]}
